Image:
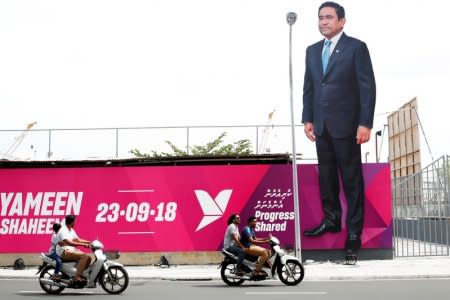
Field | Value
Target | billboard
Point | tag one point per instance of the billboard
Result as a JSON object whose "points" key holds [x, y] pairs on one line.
{"points": [[404, 152], [176, 208]]}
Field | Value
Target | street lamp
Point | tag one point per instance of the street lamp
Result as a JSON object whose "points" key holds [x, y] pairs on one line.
{"points": [[291, 18], [377, 134]]}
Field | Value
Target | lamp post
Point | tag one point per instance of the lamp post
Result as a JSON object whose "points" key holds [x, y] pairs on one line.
{"points": [[291, 18], [377, 134]]}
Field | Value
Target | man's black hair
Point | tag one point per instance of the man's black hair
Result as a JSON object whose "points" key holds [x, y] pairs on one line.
{"points": [[56, 227], [251, 219], [337, 7], [70, 219], [231, 218]]}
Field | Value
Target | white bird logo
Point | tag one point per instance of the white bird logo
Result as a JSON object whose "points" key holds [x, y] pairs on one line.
{"points": [[213, 208]]}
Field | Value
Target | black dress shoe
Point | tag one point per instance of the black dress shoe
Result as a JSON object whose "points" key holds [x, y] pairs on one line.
{"points": [[321, 229], [353, 243], [350, 257]]}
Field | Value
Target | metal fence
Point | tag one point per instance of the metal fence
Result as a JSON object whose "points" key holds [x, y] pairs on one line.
{"points": [[421, 211], [108, 143]]}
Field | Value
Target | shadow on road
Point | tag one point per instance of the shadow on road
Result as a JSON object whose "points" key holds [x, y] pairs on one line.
{"points": [[270, 285], [44, 294]]}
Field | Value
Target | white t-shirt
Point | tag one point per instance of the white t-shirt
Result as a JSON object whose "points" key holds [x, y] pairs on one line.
{"points": [[65, 234], [228, 239], [54, 243]]}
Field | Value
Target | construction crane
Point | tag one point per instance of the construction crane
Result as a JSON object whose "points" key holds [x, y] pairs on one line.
{"points": [[263, 147], [17, 141]]}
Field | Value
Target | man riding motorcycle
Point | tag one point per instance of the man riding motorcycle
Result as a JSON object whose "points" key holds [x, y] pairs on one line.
{"points": [[249, 241], [68, 252]]}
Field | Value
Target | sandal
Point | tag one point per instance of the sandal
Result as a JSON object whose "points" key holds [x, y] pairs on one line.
{"points": [[77, 279], [56, 277]]}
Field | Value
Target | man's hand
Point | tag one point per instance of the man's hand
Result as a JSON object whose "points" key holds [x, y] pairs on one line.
{"points": [[363, 135], [309, 131]]}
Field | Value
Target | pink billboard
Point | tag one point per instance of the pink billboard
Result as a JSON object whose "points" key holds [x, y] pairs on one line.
{"points": [[175, 208]]}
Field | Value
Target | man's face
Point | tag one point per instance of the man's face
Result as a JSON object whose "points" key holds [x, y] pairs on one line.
{"points": [[237, 220], [252, 224], [329, 24]]}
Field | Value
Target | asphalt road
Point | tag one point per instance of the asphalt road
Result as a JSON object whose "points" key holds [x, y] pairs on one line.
{"points": [[216, 290]]}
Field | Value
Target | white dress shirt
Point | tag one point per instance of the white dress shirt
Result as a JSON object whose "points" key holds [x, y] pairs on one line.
{"points": [[334, 40]]}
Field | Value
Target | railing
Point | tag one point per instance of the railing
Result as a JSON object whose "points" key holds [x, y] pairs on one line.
{"points": [[86, 143], [421, 211]]}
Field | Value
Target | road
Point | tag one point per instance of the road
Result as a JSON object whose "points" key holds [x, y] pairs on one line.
{"points": [[215, 290]]}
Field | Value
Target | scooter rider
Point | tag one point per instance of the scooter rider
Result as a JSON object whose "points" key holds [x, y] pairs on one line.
{"points": [[231, 241], [52, 251], [68, 252], [248, 240]]}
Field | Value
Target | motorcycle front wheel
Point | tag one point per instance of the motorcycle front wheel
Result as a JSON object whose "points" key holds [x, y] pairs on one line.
{"points": [[226, 271], [47, 273], [291, 273], [115, 281]]}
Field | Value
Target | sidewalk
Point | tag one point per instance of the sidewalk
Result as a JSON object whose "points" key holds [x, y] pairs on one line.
{"points": [[400, 268]]}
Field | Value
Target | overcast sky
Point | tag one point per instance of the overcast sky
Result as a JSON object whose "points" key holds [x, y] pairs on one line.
{"points": [[72, 64]]}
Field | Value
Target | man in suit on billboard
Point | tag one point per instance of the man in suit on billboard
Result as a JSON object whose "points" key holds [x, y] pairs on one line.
{"points": [[338, 111]]}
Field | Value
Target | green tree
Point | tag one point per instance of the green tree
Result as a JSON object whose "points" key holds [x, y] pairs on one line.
{"points": [[216, 147]]}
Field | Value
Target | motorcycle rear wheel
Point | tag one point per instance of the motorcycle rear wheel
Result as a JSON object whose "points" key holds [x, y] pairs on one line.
{"points": [[226, 271], [297, 272], [119, 279], [47, 273]]}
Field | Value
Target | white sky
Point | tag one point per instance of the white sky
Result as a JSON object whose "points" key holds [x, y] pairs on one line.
{"points": [[72, 64]]}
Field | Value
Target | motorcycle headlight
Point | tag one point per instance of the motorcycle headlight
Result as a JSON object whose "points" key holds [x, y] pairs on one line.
{"points": [[96, 245], [278, 250]]}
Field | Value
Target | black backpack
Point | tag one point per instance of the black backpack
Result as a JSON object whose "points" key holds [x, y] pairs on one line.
{"points": [[19, 264]]}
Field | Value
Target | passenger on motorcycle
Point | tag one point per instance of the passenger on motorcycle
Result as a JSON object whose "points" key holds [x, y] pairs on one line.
{"points": [[231, 242], [68, 251], [52, 251], [248, 240]]}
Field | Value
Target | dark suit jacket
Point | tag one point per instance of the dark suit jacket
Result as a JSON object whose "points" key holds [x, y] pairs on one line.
{"points": [[344, 97]]}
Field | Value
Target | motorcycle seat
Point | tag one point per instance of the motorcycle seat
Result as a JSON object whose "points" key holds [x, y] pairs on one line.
{"points": [[251, 258], [247, 257], [63, 261]]}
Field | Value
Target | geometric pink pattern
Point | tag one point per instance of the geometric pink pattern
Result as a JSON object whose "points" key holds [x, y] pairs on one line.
{"points": [[377, 231]]}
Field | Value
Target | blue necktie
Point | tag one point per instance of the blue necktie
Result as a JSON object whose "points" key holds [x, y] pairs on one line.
{"points": [[326, 56]]}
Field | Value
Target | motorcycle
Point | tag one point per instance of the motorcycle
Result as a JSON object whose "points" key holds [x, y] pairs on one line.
{"points": [[111, 275], [289, 269]]}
